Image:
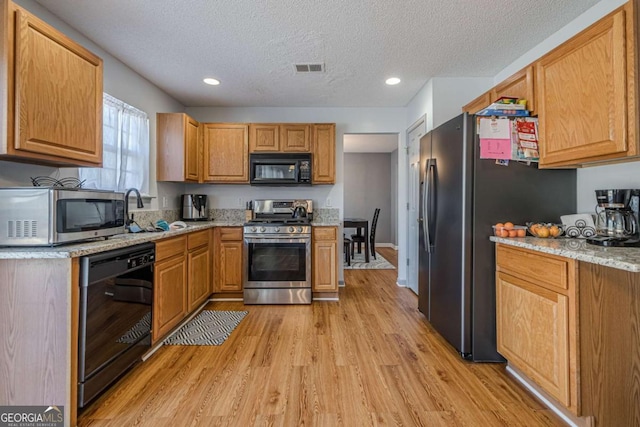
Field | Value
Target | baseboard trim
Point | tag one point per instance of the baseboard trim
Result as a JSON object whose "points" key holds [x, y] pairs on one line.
{"points": [[569, 418], [385, 245], [402, 283], [341, 283], [326, 299]]}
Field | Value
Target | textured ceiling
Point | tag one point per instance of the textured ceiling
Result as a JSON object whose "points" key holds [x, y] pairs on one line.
{"points": [[251, 45]]}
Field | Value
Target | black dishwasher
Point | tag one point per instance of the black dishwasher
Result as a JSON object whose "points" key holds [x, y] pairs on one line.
{"points": [[116, 295]]}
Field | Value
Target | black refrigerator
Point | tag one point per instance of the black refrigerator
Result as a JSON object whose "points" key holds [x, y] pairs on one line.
{"points": [[461, 197]]}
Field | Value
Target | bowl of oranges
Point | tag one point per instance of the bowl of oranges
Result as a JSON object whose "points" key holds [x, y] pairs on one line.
{"points": [[545, 230], [508, 229]]}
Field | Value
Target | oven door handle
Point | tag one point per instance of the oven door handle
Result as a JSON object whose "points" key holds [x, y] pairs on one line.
{"points": [[277, 239]]}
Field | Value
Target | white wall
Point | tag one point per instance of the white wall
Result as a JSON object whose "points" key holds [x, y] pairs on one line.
{"points": [[626, 175], [119, 81], [393, 160]]}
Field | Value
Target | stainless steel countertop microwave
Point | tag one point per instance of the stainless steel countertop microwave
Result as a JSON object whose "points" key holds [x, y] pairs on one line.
{"points": [[47, 216]]}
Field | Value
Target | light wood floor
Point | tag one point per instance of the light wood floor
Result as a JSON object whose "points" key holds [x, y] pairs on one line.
{"points": [[370, 359]]}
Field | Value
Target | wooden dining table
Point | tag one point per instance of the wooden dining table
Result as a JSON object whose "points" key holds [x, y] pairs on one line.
{"points": [[359, 224]]}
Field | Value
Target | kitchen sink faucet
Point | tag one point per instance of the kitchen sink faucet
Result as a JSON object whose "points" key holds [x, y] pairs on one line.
{"points": [[129, 221]]}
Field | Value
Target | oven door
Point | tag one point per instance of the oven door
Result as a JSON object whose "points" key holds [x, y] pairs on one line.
{"points": [[277, 262]]}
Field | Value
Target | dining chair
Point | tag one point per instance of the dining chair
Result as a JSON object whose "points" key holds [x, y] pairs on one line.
{"points": [[359, 238], [347, 250]]}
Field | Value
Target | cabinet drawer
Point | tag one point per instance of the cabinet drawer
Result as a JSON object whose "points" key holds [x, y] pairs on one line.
{"points": [[545, 270], [170, 247], [230, 233], [198, 238], [325, 233]]}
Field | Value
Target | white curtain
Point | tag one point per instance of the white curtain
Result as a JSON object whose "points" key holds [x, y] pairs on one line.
{"points": [[125, 144]]}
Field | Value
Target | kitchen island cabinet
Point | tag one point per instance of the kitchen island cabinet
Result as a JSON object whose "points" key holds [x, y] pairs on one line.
{"points": [[50, 94], [179, 148], [568, 312]]}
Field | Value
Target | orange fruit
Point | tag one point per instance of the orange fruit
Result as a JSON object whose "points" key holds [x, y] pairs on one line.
{"points": [[508, 225], [504, 233], [513, 233], [543, 232], [521, 232], [554, 231], [499, 225]]}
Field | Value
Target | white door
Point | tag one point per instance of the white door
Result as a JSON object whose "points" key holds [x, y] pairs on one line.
{"points": [[414, 133]]}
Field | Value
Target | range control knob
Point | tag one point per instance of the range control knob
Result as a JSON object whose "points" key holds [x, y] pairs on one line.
{"points": [[299, 229], [277, 229], [291, 229], [254, 229], [262, 229]]}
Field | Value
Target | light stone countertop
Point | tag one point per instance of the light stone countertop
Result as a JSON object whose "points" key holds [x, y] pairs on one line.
{"points": [[627, 259], [326, 223], [73, 250]]}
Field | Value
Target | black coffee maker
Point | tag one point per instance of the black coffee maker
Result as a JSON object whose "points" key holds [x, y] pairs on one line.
{"points": [[616, 218]]}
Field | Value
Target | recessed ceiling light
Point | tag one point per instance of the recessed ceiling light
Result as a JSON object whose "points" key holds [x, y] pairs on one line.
{"points": [[210, 81], [392, 81]]}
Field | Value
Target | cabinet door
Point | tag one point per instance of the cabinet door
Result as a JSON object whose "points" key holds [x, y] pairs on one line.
{"points": [[199, 284], [533, 333], [264, 138], [325, 259], [58, 95], [169, 296], [226, 152], [295, 138], [582, 95], [520, 85], [480, 103], [324, 154], [192, 150], [178, 148], [228, 259]]}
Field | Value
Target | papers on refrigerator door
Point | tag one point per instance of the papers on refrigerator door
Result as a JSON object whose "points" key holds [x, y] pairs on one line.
{"points": [[509, 139], [495, 138]]}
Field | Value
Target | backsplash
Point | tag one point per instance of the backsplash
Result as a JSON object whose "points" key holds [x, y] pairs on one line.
{"points": [[326, 215], [146, 217]]}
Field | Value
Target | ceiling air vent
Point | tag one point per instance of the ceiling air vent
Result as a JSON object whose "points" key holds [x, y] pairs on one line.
{"points": [[309, 68]]}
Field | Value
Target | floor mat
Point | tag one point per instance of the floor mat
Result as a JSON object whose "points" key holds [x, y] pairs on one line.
{"points": [[357, 263], [207, 328]]}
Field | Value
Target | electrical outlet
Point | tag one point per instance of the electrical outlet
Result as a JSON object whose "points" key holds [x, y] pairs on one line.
{"points": [[164, 202], [328, 202], [240, 202]]}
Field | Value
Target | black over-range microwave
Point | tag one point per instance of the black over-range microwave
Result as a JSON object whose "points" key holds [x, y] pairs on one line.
{"points": [[280, 168]]}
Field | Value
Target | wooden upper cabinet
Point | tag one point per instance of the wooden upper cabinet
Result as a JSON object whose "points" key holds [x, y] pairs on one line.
{"points": [[179, 148], [226, 152], [480, 103], [586, 94], [324, 153], [520, 85], [295, 137], [264, 137], [51, 92]]}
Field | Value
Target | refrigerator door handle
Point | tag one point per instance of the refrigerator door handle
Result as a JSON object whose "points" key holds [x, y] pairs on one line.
{"points": [[433, 201], [425, 207]]}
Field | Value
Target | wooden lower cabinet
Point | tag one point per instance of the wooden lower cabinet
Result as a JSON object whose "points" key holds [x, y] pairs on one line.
{"points": [[324, 251], [170, 295], [182, 279], [199, 267], [537, 320], [228, 259]]}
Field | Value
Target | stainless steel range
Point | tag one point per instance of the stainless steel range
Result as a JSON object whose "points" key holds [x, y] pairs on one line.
{"points": [[277, 253]]}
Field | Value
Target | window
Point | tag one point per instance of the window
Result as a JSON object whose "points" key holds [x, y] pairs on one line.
{"points": [[125, 145]]}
